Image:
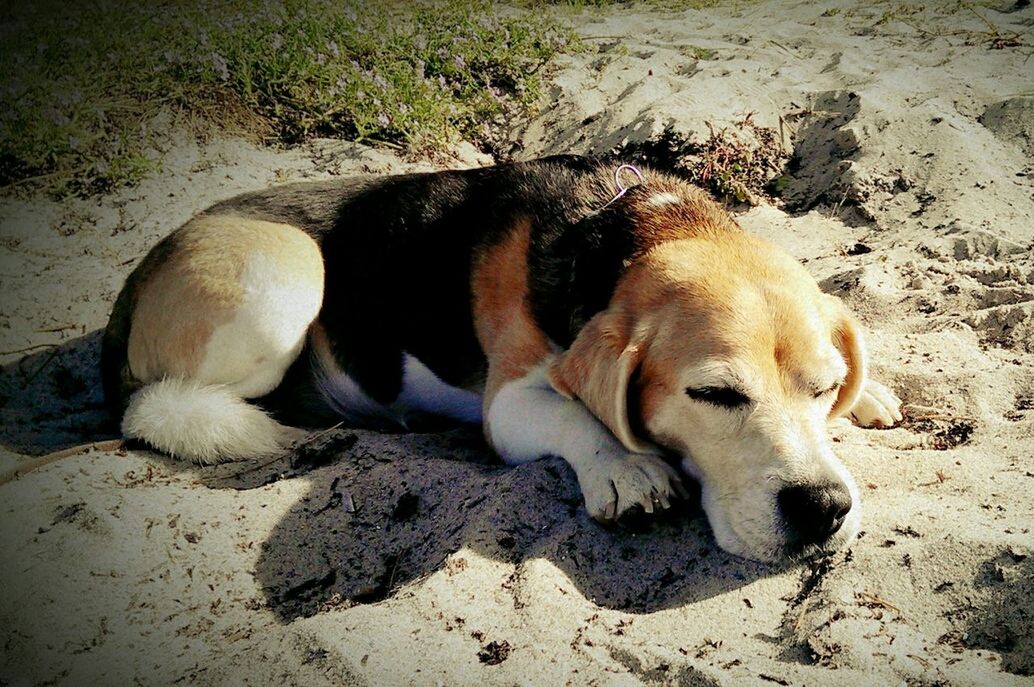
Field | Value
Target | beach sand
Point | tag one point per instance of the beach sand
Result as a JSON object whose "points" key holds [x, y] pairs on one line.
{"points": [[420, 559]]}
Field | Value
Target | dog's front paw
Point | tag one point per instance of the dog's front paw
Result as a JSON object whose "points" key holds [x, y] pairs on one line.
{"points": [[614, 485], [878, 406]]}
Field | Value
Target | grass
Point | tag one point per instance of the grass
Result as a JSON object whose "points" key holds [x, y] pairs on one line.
{"points": [[91, 89], [737, 162], [674, 5], [698, 53]]}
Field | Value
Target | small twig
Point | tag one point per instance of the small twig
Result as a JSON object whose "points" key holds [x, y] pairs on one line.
{"points": [[836, 208], [931, 413], [36, 463], [992, 27], [947, 418], [784, 49], [56, 328], [31, 180], [800, 617], [35, 347], [280, 456], [391, 578], [876, 600], [387, 144], [941, 479], [53, 354]]}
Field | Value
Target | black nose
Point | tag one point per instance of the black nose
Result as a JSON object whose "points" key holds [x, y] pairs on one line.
{"points": [[814, 512]]}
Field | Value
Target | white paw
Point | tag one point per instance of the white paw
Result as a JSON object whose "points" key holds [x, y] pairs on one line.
{"points": [[878, 406], [613, 485]]}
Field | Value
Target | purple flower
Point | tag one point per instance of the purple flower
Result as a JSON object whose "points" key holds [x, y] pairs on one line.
{"points": [[334, 50], [220, 66], [459, 62], [58, 118], [380, 82], [276, 41], [383, 120]]}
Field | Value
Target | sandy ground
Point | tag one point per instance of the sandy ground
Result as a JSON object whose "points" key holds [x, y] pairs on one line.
{"points": [[419, 559]]}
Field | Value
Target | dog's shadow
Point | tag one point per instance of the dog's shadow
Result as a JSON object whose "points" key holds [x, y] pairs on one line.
{"points": [[390, 509], [52, 399], [384, 510]]}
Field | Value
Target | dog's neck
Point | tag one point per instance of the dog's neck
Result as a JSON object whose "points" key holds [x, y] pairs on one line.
{"points": [[576, 267]]}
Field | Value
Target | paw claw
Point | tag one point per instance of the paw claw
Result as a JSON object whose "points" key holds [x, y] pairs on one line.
{"points": [[878, 406], [613, 486], [662, 501]]}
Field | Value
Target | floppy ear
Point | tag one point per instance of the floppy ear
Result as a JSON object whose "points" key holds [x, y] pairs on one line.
{"points": [[847, 337], [598, 368]]}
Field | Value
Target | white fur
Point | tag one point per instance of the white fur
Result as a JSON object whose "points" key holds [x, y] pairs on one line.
{"points": [[251, 352], [343, 394], [202, 423], [661, 199], [528, 420], [743, 457], [423, 393]]}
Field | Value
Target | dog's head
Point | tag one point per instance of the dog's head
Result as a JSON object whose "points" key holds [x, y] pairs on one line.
{"points": [[723, 350]]}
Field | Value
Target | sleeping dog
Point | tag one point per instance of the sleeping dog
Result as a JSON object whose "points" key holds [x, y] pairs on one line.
{"points": [[568, 315]]}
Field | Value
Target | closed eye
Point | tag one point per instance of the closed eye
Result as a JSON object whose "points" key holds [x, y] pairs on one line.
{"points": [[722, 396], [825, 392]]}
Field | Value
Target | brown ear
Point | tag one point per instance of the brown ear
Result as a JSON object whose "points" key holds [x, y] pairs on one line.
{"points": [[598, 368], [847, 337]]}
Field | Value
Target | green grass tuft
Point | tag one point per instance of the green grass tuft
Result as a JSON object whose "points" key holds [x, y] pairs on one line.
{"points": [[698, 53], [90, 89]]}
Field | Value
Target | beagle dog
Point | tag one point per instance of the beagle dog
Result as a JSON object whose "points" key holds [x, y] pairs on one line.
{"points": [[615, 328]]}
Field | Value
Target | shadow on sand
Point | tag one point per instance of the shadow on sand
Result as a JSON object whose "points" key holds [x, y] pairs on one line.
{"points": [[376, 518], [384, 509], [52, 399]]}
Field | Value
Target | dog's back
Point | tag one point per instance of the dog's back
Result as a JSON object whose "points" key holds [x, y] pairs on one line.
{"points": [[219, 310]]}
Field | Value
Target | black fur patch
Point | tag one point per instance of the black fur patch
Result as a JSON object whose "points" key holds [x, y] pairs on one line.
{"points": [[399, 259]]}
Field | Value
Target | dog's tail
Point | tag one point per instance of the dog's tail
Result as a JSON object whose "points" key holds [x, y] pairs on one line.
{"points": [[202, 423]]}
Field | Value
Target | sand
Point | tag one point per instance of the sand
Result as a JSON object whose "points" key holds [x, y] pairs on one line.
{"points": [[420, 559]]}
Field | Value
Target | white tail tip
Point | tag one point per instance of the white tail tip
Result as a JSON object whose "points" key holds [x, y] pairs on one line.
{"points": [[204, 424]]}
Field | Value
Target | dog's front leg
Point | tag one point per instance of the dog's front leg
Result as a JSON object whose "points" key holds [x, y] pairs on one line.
{"points": [[526, 420]]}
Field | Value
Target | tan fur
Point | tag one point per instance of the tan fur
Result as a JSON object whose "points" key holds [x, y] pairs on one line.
{"points": [[203, 268], [598, 368], [505, 328], [847, 337], [685, 300]]}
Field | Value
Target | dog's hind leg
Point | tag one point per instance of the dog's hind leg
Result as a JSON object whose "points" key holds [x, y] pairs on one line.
{"points": [[221, 310]]}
